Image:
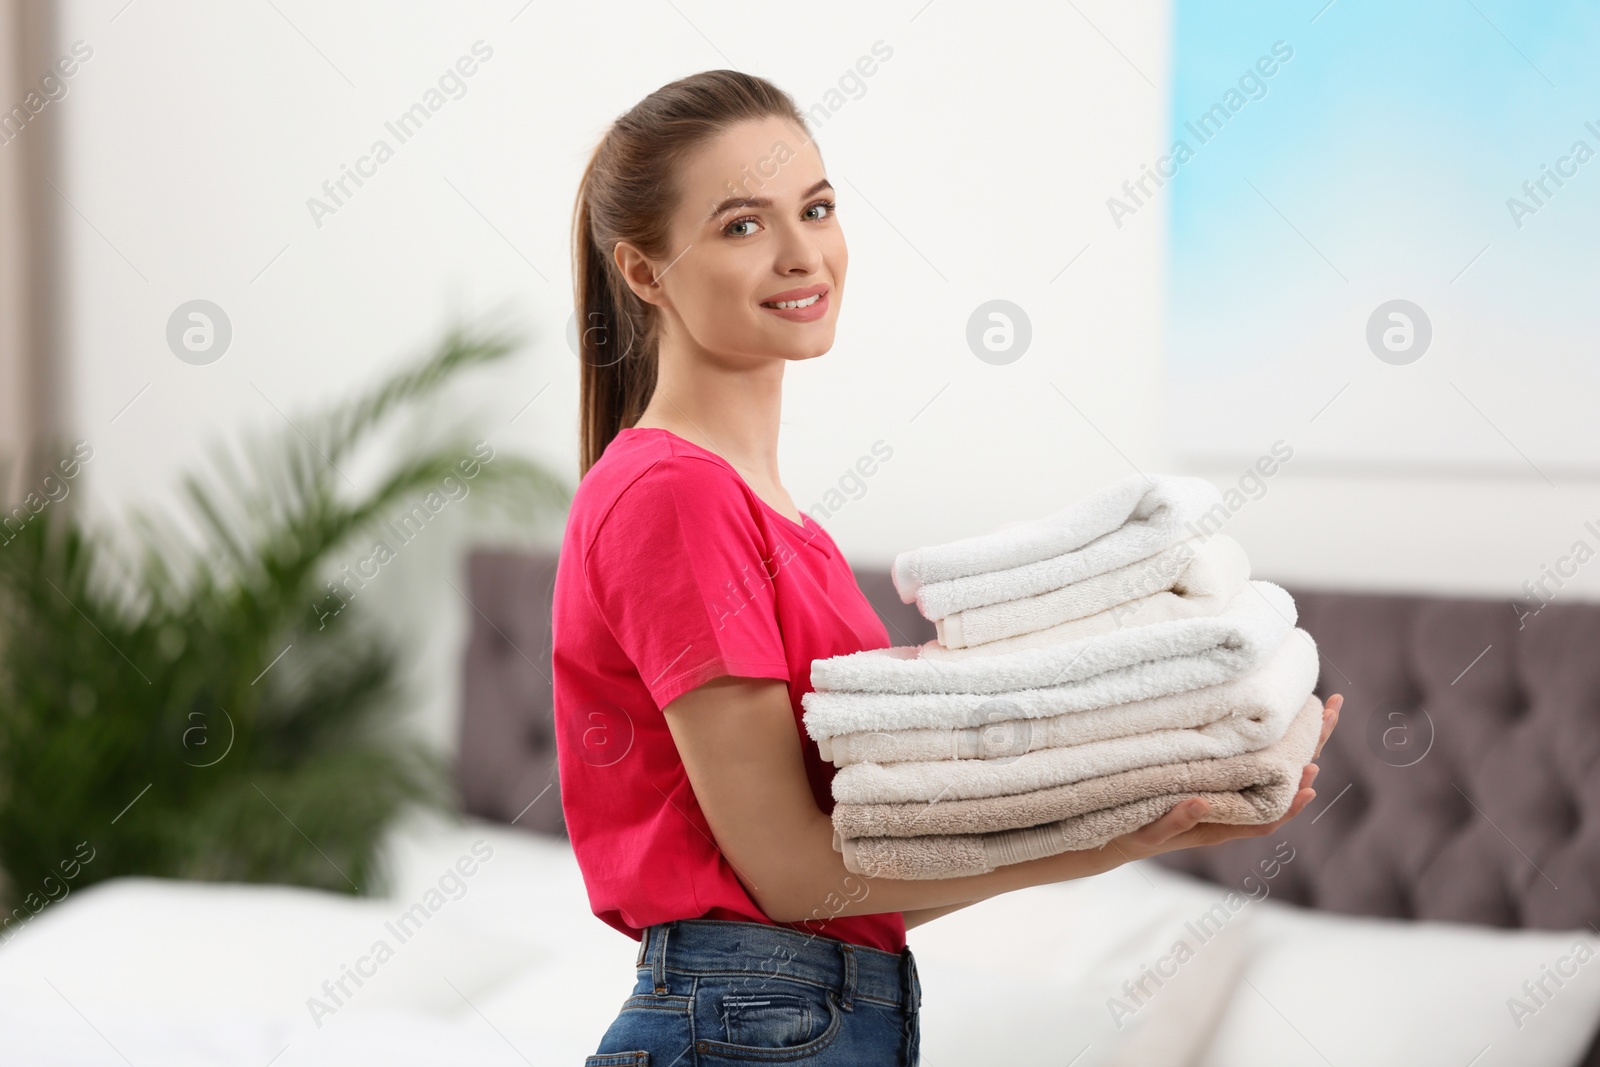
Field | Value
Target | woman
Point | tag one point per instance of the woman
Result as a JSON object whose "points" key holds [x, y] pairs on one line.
{"points": [[692, 596]]}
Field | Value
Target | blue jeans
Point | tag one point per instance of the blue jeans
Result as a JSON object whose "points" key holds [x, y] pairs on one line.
{"points": [[712, 992]]}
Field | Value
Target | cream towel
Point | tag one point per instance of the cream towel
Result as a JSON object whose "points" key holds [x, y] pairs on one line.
{"points": [[1249, 789], [1090, 672], [1193, 577], [968, 779], [1281, 682], [1137, 515]]}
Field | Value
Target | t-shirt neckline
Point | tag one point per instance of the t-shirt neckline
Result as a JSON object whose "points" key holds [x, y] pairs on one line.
{"points": [[801, 526]]}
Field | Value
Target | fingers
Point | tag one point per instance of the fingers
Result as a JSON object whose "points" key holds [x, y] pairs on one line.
{"points": [[1302, 797], [1182, 818], [1182, 827], [1305, 796], [1330, 719], [1216, 833], [1177, 828]]}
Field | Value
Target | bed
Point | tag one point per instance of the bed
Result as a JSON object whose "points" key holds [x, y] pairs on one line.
{"points": [[1437, 905], [1458, 804]]}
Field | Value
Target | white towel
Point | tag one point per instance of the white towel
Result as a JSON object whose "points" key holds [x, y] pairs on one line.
{"points": [[1114, 668], [1127, 521], [1136, 500], [1196, 576], [1282, 681], [967, 779]]}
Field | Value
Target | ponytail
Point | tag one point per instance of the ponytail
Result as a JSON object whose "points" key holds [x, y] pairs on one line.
{"points": [[616, 346]]}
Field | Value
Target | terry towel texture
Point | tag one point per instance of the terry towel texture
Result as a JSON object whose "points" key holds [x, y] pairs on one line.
{"points": [[895, 689], [1128, 521], [944, 780], [1248, 789], [1196, 576], [1152, 509], [1282, 683]]}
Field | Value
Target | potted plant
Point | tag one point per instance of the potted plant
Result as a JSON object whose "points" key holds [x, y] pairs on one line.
{"points": [[188, 696]]}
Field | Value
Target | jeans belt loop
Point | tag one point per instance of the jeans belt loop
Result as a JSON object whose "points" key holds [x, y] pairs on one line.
{"points": [[644, 943], [658, 957], [911, 989], [847, 995]]}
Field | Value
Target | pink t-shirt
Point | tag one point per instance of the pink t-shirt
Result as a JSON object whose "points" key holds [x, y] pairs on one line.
{"points": [[673, 572]]}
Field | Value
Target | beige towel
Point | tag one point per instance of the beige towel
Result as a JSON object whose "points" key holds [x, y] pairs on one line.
{"points": [[1193, 577], [1248, 789]]}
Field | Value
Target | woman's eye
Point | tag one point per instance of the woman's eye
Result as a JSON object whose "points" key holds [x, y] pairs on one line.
{"points": [[825, 205]]}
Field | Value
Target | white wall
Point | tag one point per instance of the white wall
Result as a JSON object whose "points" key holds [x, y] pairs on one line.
{"points": [[974, 166]]}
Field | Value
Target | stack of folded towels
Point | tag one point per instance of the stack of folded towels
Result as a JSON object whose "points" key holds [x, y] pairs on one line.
{"points": [[1092, 669]]}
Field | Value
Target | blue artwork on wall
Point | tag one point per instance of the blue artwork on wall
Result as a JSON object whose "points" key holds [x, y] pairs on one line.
{"points": [[1384, 234]]}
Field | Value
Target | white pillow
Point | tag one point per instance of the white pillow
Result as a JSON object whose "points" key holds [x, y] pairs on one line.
{"points": [[1324, 988], [1088, 969], [214, 949], [187, 973]]}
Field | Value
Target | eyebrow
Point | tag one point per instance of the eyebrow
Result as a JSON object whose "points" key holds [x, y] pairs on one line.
{"points": [[762, 201]]}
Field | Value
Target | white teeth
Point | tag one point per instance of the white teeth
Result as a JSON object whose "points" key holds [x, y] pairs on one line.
{"points": [[807, 302]]}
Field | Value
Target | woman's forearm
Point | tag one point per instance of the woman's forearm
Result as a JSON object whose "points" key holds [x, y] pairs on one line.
{"points": [[783, 847], [740, 749], [1183, 826], [918, 916]]}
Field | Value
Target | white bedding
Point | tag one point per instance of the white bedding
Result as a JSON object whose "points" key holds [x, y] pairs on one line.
{"points": [[506, 965]]}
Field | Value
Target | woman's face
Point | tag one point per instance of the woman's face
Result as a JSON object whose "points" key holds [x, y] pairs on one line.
{"points": [[754, 224]]}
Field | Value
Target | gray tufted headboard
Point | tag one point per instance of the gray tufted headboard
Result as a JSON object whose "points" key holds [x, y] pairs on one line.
{"points": [[1463, 783], [506, 769]]}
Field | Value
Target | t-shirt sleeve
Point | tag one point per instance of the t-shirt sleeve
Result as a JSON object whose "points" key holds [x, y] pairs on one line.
{"points": [[678, 569]]}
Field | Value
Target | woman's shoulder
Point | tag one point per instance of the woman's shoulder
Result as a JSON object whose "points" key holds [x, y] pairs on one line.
{"points": [[643, 473]]}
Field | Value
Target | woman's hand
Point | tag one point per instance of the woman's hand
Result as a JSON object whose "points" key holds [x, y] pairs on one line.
{"points": [[1183, 826]]}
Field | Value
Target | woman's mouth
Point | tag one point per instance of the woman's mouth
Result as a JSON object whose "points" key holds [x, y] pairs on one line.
{"points": [[804, 309]]}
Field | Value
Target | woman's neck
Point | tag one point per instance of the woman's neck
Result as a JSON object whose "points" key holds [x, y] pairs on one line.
{"points": [[733, 413]]}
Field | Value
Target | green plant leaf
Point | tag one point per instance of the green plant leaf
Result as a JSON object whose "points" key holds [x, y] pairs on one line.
{"points": [[168, 697]]}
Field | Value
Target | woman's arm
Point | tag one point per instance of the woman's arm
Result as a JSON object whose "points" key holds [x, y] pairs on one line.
{"points": [[739, 745], [918, 916]]}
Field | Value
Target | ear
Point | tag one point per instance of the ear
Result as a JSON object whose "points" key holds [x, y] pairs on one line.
{"points": [[639, 273]]}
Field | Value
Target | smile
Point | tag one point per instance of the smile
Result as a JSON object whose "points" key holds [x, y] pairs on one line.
{"points": [[802, 304]]}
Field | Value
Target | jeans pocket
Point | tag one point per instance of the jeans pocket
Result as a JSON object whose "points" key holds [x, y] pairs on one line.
{"points": [[618, 1059], [764, 1018]]}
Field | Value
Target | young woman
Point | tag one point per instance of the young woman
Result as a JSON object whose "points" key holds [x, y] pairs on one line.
{"points": [[692, 596]]}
